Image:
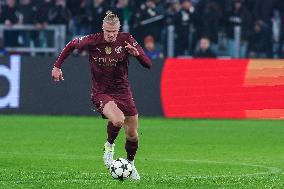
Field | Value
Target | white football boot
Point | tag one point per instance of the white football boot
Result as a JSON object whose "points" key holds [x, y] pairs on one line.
{"points": [[108, 154], [134, 175]]}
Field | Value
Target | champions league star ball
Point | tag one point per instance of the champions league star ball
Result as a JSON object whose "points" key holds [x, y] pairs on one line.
{"points": [[120, 169]]}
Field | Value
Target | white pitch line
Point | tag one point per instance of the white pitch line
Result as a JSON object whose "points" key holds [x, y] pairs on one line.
{"points": [[55, 180], [271, 170], [62, 156]]}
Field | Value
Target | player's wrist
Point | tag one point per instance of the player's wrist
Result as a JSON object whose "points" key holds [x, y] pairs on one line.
{"points": [[56, 68]]}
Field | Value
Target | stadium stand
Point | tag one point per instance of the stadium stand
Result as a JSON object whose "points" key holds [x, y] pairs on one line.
{"points": [[233, 27]]}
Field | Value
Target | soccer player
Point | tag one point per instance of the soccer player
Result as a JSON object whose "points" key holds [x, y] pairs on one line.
{"points": [[109, 53]]}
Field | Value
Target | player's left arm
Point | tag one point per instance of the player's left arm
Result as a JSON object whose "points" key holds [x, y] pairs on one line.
{"points": [[136, 50]]}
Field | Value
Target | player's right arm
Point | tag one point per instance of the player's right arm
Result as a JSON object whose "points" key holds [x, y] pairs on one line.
{"points": [[77, 43]]}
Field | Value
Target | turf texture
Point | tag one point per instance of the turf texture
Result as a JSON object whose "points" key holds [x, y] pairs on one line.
{"points": [[66, 152]]}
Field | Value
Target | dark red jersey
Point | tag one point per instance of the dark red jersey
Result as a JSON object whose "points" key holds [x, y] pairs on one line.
{"points": [[108, 61]]}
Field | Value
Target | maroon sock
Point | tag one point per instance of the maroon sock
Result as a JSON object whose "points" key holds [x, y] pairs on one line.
{"points": [[131, 148], [112, 132]]}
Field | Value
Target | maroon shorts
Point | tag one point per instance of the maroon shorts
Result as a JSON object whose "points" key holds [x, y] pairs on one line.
{"points": [[124, 102]]}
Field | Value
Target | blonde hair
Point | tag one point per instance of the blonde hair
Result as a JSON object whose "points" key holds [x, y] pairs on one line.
{"points": [[111, 18]]}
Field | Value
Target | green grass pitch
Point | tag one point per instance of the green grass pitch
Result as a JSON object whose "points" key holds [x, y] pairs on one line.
{"points": [[66, 152]]}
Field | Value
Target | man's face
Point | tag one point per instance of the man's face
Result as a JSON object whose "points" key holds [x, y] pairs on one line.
{"points": [[257, 28], [150, 46], [176, 7], [150, 4], [238, 5], [10, 3], [186, 5], [204, 44], [110, 31], [97, 2], [61, 2], [124, 3]]}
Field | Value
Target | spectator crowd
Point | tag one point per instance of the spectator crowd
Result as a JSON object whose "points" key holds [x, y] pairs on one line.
{"points": [[203, 28]]}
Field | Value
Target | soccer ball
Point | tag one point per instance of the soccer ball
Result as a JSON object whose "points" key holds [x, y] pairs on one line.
{"points": [[120, 169]]}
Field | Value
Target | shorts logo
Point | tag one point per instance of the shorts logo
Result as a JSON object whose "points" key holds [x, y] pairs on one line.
{"points": [[118, 49], [108, 50], [101, 105]]}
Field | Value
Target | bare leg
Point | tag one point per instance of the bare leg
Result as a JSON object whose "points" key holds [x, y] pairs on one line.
{"points": [[116, 121], [114, 114]]}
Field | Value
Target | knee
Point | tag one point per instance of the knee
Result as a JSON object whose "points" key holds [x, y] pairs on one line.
{"points": [[118, 121], [132, 137]]}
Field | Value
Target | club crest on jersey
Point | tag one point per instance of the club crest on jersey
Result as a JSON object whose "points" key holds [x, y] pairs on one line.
{"points": [[135, 44], [118, 49], [108, 50]]}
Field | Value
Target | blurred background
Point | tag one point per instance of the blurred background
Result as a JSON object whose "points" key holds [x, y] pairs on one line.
{"points": [[216, 63], [169, 28], [242, 41]]}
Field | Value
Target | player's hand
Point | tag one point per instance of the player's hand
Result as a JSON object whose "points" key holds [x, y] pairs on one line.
{"points": [[131, 49], [57, 74]]}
